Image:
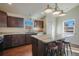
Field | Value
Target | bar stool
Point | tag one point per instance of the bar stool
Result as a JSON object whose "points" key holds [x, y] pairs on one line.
{"points": [[60, 48], [66, 45], [52, 49]]}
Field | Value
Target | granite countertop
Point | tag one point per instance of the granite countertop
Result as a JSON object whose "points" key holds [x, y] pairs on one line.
{"points": [[8, 33], [11, 33], [2, 34], [44, 38], [47, 39]]}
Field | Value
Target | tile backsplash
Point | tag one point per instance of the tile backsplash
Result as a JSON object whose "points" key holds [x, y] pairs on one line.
{"points": [[12, 30]]}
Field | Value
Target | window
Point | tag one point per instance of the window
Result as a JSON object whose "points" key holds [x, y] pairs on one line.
{"points": [[69, 26], [28, 24]]}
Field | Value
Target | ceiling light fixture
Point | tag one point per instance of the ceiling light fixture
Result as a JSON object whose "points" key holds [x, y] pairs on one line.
{"points": [[48, 9], [56, 11], [62, 13]]}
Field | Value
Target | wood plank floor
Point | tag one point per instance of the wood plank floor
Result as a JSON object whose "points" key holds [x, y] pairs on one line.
{"points": [[25, 50]]}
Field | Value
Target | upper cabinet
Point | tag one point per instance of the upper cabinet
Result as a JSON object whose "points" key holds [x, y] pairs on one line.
{"points": [[15, 21], [39, 25], [3, 19], [10, 21]]}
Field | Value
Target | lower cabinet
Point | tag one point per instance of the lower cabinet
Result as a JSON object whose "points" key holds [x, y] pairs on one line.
{"points": [[38, 47], [13, 40], [16, 40], [7, 43], [28, 39], [34, 47]]}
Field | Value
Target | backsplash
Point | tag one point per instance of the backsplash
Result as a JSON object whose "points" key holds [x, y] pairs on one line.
{"points": [[12, 30]]}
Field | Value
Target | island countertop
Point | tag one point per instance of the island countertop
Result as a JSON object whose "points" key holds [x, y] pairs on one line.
{"points": [[44, 38], [47, 39]]}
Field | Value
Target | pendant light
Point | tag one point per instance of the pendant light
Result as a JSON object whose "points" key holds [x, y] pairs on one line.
{"points": [[56, 11], [62, 13], [48, 9]]}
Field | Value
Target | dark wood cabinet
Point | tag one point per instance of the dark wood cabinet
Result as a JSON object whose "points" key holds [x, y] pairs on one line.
{"points": [[39, 24], [3, 19], [13, 40], [10, 21], [18, 39], [38, 47], [34, 47], [7, 43], [15, 21], [28, 39]]}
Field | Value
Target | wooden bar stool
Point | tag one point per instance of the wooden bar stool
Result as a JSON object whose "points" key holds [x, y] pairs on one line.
{"points": [[60, 47], [66, 45], [52, 49]]}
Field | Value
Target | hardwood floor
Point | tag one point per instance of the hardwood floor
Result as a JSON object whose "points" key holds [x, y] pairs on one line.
{"points": [[26, 50], [19, 51]]}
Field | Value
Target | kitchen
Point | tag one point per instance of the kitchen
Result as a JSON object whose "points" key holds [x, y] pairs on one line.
{"points": [[21, 25]]}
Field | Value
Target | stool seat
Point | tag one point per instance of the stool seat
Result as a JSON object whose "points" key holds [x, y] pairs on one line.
{"points": [[55, 48], [66, 42], [52, 49]]}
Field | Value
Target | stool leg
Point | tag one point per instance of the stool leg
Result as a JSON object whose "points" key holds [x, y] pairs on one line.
{"points": [[64, 50], [70, 48], [46, 51], [67, 49], [52, 52]]}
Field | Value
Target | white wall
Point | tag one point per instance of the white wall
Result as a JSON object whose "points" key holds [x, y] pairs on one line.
{"points": [[50, 25], [73, 13]]}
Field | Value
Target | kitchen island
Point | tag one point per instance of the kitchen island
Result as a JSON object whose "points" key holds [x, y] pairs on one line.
{"points": [[40, 44]]}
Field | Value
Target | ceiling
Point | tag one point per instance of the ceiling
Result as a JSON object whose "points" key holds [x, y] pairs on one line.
{"points": [[33, 8]]}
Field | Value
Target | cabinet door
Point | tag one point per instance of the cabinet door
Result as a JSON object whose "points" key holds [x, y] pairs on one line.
{"points": [[39, 25], [21, 39], [15, 22], [18, 39], [3, 19], [19, 22], [34, 47], [28, 39], [11, 22], [7, 43]]}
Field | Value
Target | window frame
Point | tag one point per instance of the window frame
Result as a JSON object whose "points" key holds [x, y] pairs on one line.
{"points": [[73, 26]]}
